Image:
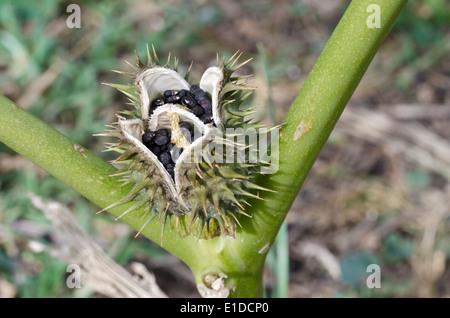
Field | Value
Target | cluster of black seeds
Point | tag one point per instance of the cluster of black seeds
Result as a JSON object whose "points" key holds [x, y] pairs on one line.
{"points": [[195, 99], [159, 143]]}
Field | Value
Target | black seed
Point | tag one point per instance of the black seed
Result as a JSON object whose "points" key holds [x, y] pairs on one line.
{"points": [[164, 131], [186, 125], [205, 103], [162, 137], [164, 157], [200, 96], [188, 101], [207, 106], [168, 132], [155, 104], [170, 166], [182, 92], [208, 111], [158, 102], [173, 99], [195, 89], [148, 137], [170, 146], [170, 93], [161, 140], [198, 110], [155, 149], [206, 119], [180, 151], [163, 147], [189, 94], [171, 172]]}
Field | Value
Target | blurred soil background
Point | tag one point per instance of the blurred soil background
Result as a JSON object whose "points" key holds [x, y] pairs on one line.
{"points": [[378, 194]]}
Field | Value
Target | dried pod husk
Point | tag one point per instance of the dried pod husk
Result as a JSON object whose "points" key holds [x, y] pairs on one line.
{"points": [[206, 197]]}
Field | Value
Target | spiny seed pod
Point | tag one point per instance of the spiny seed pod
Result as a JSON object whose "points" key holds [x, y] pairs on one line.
{"points": [[160, 140]]}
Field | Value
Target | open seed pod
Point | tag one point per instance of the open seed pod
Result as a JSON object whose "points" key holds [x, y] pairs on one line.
{"points": [[170, 143]]}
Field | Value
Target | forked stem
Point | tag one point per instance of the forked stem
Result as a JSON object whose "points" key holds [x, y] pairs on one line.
{"points": [[308, 124]]}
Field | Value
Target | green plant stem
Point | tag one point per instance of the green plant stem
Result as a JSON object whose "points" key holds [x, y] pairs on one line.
{"points": [[69, 162], [307, 126], [323, 97]]}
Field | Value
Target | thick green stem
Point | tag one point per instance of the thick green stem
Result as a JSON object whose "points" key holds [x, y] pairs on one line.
{"points": [[308, 124], [71, 163], [321, 101]]}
